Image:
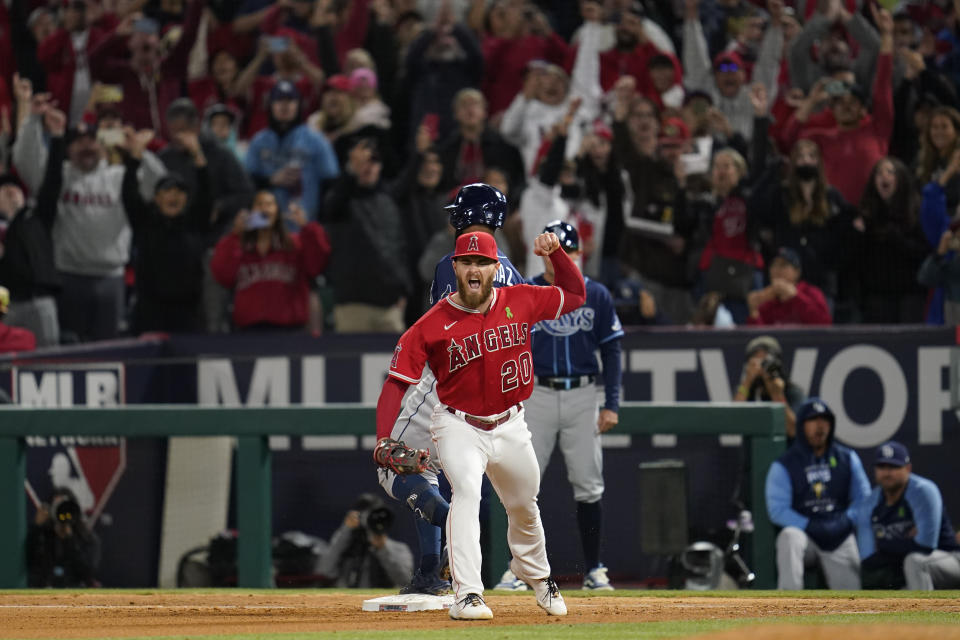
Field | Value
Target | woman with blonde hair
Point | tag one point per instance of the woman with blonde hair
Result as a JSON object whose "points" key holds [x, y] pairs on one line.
{"points": [[722, 234]]}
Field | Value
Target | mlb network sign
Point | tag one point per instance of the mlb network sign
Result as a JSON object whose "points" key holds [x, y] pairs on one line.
{"points": [[69, 385]]}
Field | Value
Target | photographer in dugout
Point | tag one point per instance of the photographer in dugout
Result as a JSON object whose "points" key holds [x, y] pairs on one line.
{"points": [[61, 550], [361, 555], [765, 379]]}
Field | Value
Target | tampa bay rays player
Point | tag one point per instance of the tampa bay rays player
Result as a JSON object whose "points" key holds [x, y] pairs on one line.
{"points": [[903, 531], [564, 407], [813, 491], [477, 207]]}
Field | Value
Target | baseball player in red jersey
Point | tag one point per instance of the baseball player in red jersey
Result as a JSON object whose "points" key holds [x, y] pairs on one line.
{"points": [[477, 342]]}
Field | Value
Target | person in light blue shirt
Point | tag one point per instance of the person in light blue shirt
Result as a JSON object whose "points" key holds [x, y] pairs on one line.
{"points": [[812, 492], [903, 532], [290, 158]]}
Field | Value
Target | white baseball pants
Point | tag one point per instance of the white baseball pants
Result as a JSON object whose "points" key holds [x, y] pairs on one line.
{"points": [[506, 456], [935, 570], [796, 551]]}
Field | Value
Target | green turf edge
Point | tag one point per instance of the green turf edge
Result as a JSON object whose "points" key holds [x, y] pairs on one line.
{"points": [[620, 631], [569, 593]]}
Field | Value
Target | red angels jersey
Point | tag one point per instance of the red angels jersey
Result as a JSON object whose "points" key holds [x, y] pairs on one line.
{"points": [[482, 361]]}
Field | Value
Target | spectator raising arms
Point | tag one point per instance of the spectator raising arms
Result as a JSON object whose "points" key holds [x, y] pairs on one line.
{"points": [[268, 268], [150, 79], [169, 242]]}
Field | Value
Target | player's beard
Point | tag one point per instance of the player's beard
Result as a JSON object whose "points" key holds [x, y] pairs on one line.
{"points": [[473, 298]]}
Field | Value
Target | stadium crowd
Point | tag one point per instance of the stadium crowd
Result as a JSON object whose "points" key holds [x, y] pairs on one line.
{"points": [[211, 165]]}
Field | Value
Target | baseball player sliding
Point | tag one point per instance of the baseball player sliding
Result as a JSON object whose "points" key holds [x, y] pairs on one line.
{"points": [[477, 343], [477, 207]]}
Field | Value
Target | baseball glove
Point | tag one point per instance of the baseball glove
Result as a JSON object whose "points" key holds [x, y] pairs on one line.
{"points": [[393, 454]]}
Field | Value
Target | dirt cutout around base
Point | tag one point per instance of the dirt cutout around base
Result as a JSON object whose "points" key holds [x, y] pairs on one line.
{"points": [[98, 615]]}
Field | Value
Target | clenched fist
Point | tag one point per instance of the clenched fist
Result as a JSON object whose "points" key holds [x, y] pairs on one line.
{"points": [[546, 243]]}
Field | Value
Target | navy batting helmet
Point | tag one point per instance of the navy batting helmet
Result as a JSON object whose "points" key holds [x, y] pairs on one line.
{"points": [[478, 203], [566, 234]]}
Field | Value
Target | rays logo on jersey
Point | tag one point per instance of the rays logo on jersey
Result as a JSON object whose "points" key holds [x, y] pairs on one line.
{"points": [[568, 324]]}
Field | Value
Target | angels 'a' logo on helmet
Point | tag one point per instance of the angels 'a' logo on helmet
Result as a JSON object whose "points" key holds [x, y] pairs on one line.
{"points": [[474, 244]]}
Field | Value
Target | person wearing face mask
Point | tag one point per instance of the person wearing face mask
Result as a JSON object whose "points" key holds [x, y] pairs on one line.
{"points": [[888, 248], [805, 214]]}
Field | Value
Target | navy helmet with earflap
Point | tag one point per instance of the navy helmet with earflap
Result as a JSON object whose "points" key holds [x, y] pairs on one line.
{"points": [[566, 234], [478, 203]]}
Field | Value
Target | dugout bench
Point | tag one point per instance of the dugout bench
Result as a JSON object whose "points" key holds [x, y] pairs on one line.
{"points": [[761, 424]]}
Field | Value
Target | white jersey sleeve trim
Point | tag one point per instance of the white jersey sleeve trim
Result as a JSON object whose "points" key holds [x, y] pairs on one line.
{"points": [[560, 308], [400, 376]]}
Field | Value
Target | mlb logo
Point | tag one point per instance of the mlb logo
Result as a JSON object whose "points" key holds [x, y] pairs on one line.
{"points": [[90, 467]]}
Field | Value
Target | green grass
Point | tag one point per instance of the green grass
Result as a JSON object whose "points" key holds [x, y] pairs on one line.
{"points": [[633, 631]]}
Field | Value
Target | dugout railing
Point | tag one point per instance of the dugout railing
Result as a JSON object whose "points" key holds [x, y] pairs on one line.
{"points": [[761, 424]]}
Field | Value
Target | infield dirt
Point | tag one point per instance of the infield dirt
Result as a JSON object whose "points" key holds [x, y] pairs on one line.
{"points": [[118, 615]]}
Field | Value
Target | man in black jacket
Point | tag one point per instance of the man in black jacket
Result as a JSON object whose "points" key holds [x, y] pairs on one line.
{"points": [[227, 189], [368, 269], [475, 147], [26, 262]]}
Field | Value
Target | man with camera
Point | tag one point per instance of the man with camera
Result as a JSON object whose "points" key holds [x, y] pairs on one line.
{"points": [[61, 550], [362, 555], [764, 379]]}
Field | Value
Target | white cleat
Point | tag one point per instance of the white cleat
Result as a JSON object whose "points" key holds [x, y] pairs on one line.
{"points": [[510, 582], [597, 580], [472, 607], [549, 598]]}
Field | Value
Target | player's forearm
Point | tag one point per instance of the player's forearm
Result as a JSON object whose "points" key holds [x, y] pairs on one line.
{"points": [[568, 278], [388, 406], [610, 355]]}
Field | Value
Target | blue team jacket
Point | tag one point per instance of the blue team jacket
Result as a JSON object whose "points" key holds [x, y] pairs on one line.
{"points": [[802, 487], [886, 528]]}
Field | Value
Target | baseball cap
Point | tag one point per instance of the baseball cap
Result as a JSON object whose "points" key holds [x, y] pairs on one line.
{"points": [[338, 82], [728, 61], [477, 243], [284, 90], [697, 93], [601, 130], [892, 453], [768, 343], [790, 256], [363, 77], [171, 181], [79, 130], [220, 109], [674, 131], [660, 60], [9, 178]]}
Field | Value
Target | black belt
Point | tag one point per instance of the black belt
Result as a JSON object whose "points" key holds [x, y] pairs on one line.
{"points": [[565, 384], [487, 424]]}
